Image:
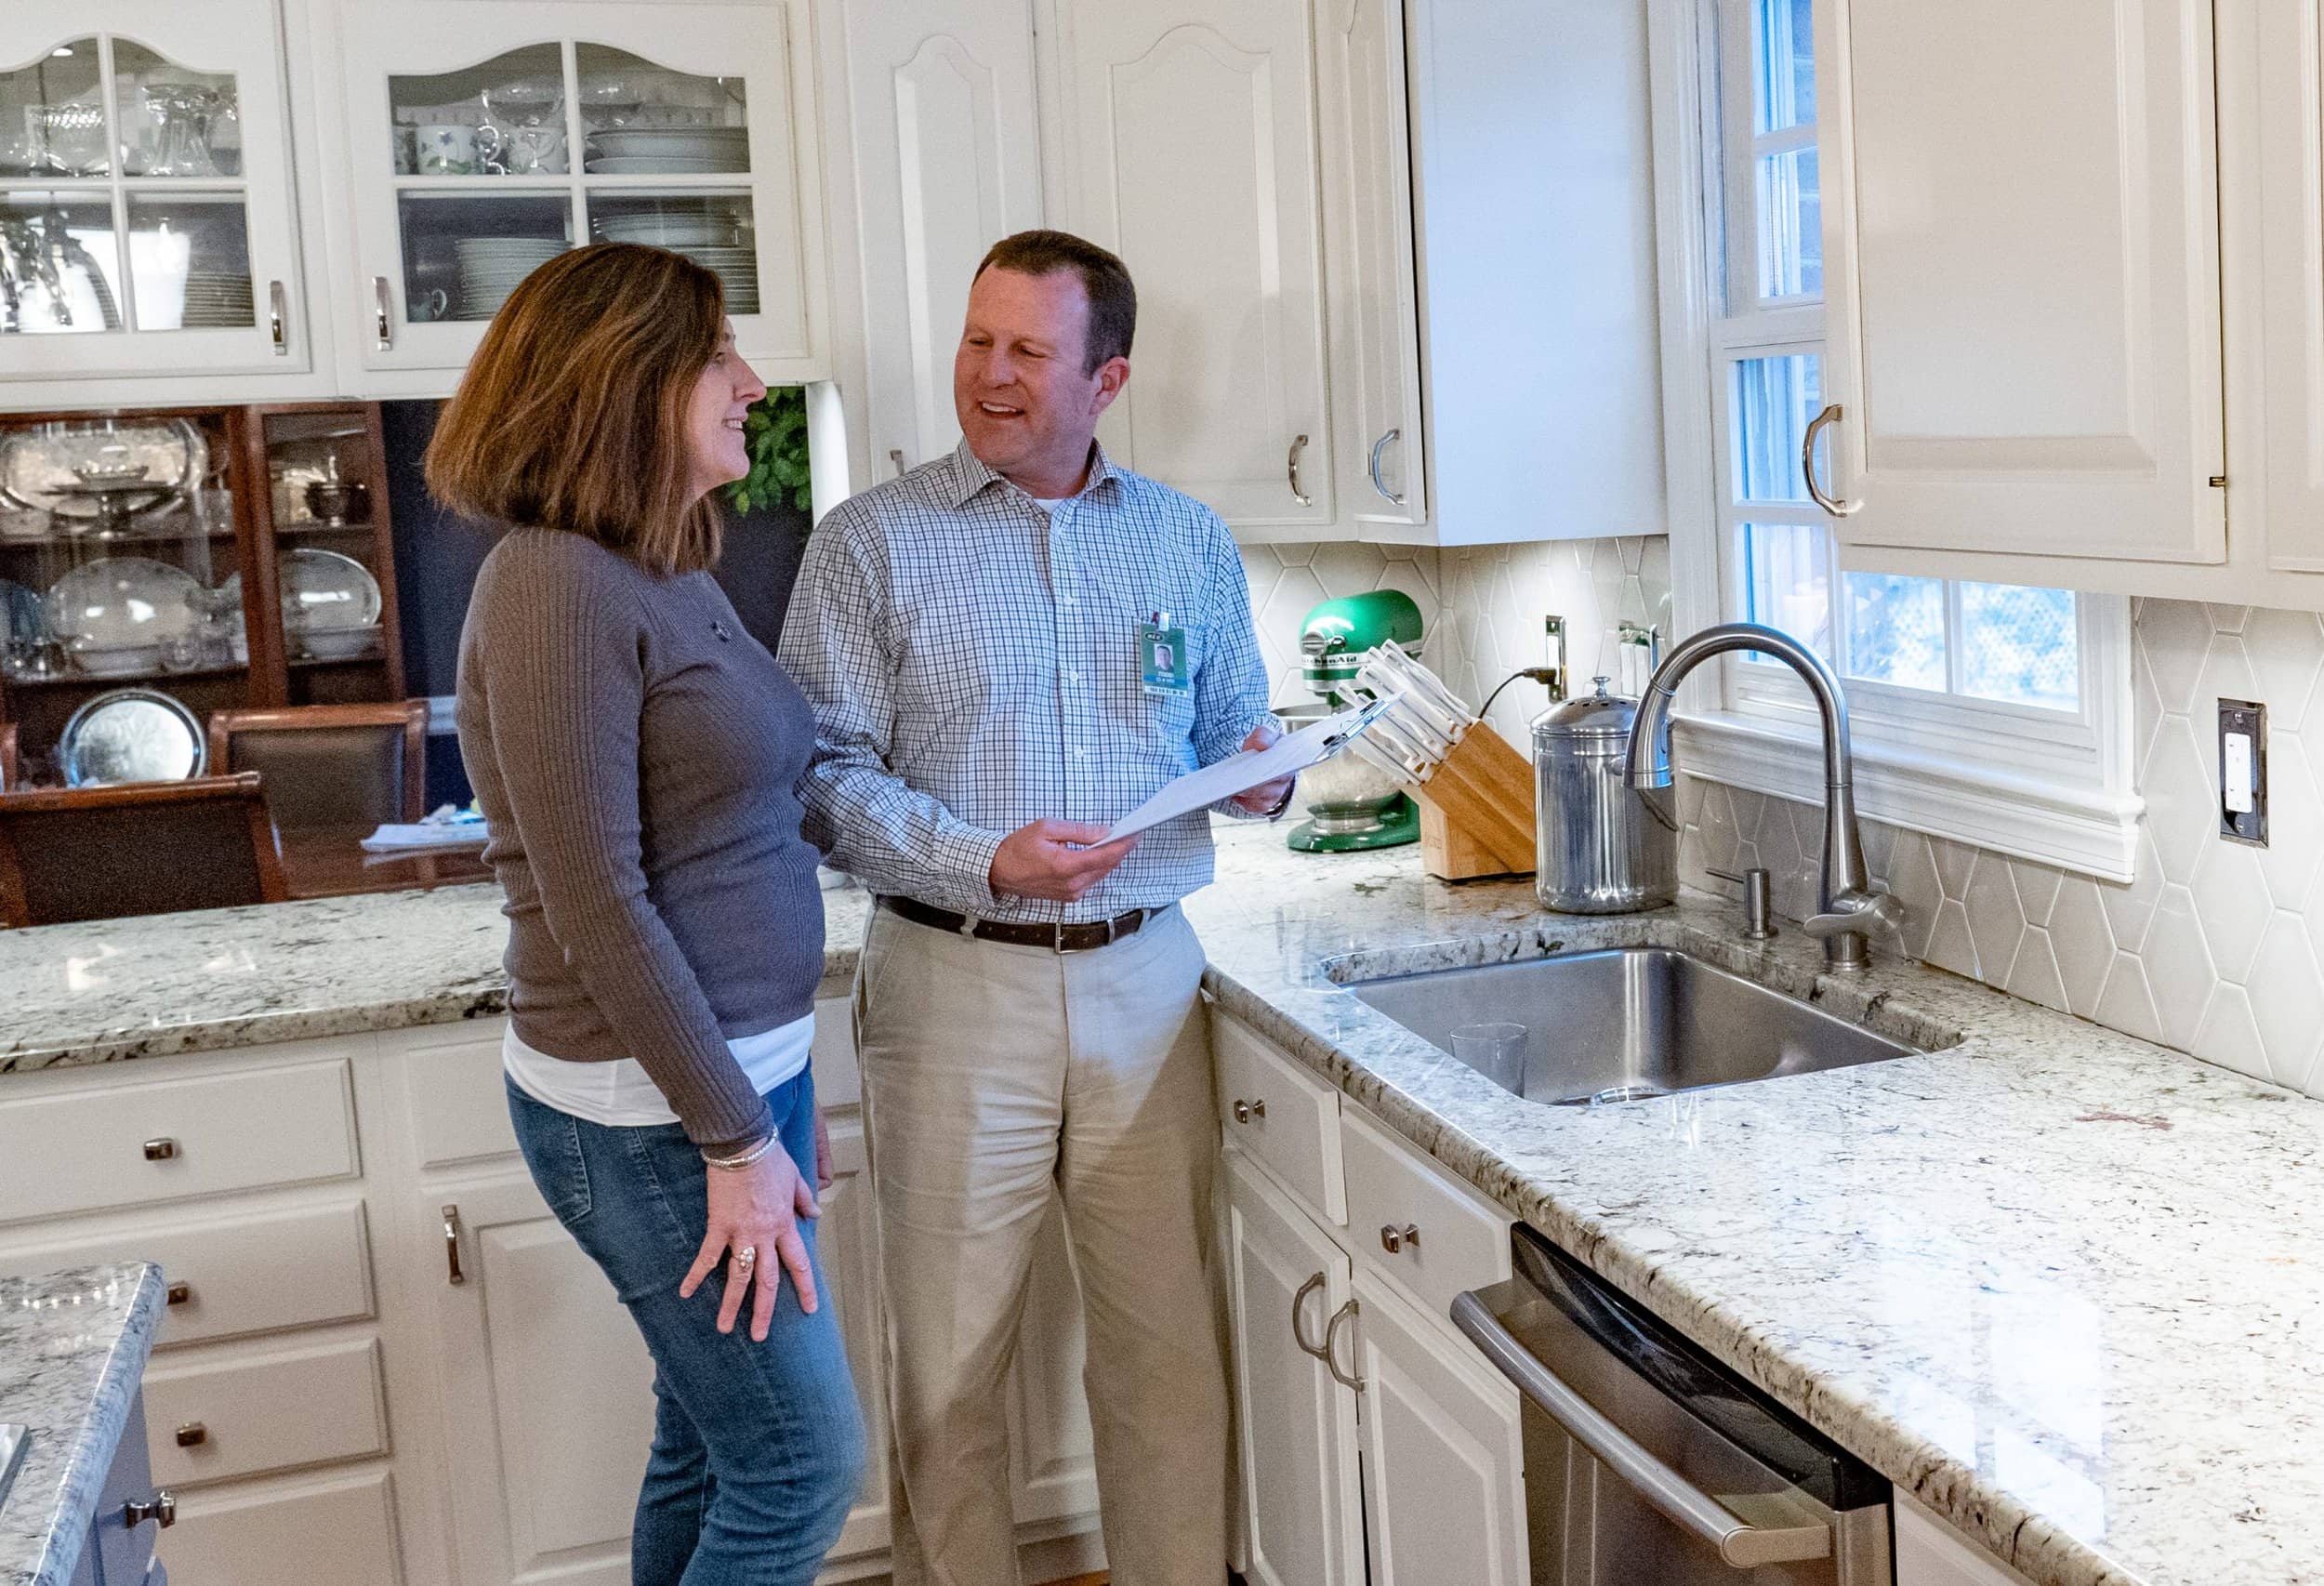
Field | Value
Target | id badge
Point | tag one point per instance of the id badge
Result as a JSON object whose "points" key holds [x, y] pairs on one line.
{"points": [[1162, 663]]}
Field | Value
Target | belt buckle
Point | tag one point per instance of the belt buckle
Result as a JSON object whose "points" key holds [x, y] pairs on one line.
{"points": [[1057, 937]]}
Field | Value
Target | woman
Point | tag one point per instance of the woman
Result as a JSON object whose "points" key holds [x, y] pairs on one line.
{"points": [[636, 753]]}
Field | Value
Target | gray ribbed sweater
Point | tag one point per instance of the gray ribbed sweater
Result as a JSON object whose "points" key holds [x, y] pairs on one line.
{"points": [[637, 755]]}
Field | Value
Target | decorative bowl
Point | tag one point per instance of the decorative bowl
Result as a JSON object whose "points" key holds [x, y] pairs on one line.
{"points": [[324, 590], [118, 603]]}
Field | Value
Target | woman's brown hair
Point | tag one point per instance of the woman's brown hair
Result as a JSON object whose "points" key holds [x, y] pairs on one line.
{"points": [[573, 413]]}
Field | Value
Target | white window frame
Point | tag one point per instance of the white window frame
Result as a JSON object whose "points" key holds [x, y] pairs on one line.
{"points": [[2049, 786]]}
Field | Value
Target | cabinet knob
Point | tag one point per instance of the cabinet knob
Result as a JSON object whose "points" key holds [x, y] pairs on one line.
{"points": [[1291, 467], [162, 1150], [1393, 1238], [452, 1275], [178, 1293], [1246, 1111], [1816, 490], [162, 1509], [278, 313], [382, 313], [192, 1434]]}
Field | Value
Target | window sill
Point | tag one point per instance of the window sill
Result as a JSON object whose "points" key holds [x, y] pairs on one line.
{"points": [[2077, 827]]}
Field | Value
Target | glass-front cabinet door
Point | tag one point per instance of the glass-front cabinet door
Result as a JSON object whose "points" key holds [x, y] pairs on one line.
{"points": [[146, 221], [489, 137]]}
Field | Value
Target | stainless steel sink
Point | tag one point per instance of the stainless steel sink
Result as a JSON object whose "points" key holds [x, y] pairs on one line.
{"points": [[1626, 1023]]}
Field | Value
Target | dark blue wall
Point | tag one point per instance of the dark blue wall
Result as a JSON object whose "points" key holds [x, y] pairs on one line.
{"points": [[437, 553]]}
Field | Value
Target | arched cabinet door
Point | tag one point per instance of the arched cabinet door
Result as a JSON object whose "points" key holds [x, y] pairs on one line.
{"points": [[483, 139], [146, 218]]}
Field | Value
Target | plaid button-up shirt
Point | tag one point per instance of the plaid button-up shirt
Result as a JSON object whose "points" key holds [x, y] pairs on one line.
{"points": [[972, 661]]}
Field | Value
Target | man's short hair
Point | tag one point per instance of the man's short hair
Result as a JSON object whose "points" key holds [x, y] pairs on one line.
{"points": [[1113, 301]]}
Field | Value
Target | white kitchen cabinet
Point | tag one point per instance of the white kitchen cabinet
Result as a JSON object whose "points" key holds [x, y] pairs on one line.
{"points": [[478, 138], [2022, 275], [1930, 1552], [1302, 1515], [1361, 98], [940, 154], [147, 226], [1191, 150], [1444, 1459]]}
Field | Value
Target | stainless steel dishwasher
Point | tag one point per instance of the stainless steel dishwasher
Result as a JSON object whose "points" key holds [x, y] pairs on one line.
{"points": [[1647, 1463]]}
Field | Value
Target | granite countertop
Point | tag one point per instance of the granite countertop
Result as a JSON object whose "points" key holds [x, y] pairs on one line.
{"points": [[2053, 1281], [73, 1349]]}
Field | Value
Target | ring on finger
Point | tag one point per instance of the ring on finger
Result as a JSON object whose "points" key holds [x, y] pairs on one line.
{"points": [[746, 1257]]}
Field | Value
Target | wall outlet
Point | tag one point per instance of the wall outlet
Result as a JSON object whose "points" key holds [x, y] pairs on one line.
{"points": [[2244, 772]]}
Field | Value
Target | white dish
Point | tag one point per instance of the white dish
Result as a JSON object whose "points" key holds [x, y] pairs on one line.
{"points": [[681, 232], [324, 590], [647, 140], [118, 662], [337, 644], [658, 165]]}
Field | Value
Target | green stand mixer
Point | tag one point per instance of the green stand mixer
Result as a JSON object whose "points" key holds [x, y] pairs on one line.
{"points": [[1351, 805]]}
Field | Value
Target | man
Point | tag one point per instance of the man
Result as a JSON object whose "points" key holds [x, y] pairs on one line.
{"points": [[1008, 649]]}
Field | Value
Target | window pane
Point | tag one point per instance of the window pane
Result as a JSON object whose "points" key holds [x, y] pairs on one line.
{"points": [[2020, 645], [1784, 582], [1787, 64], [1790, 225], [1774, 398], [1896, 630]]}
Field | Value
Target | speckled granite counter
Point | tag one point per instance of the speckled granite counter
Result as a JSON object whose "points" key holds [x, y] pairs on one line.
{"points": [[235, 977], [2056, 1282], [73, 1349]]}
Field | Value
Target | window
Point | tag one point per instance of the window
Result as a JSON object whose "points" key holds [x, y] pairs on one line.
{"points": [[1947, 681]]}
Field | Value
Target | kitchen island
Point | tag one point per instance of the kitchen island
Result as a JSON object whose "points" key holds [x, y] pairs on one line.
{"points": [[73, 1349], [2052, 1281]]}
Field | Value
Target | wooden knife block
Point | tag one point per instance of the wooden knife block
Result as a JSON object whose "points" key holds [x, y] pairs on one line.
{"points": [[1476, 811]]}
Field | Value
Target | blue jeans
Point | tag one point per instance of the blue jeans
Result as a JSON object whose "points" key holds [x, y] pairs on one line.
{"points": [[757, 1448]]}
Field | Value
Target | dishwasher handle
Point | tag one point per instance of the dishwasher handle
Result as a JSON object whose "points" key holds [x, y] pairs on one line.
{"points": [[1741, 1545]]}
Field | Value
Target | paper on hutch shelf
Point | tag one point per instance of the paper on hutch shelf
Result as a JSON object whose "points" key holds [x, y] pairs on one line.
{"points": [[1312, 745]]}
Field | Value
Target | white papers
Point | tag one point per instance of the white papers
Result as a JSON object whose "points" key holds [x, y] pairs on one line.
{"points": [[446, 828], [1315, 742]]}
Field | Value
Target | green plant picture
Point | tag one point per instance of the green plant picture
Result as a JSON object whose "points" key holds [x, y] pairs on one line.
{"points": [[775, 432]]}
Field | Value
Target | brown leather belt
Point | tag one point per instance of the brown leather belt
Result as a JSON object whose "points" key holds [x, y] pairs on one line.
{"points": [[1058, 938]]}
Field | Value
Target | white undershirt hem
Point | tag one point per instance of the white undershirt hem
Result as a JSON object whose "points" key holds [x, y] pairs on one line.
{"points": [[620, 1093]]}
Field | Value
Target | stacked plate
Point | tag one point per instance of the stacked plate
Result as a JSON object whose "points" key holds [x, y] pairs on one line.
{"points": [[670, 151], [216, 300], [736, 266], [666, 231], [491, 268]]}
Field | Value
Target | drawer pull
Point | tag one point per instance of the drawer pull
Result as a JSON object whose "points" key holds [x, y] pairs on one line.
{"points": [[162, 1509], [162, 1150], [1331, 1356], [1299, 1304], [1393, 1238], [452, 1274], [192, 1434], [1246, 1111], [178, 1293]]}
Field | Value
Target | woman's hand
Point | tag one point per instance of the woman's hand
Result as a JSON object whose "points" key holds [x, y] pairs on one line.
{"points": [[753, 1214], [822, 1154]]}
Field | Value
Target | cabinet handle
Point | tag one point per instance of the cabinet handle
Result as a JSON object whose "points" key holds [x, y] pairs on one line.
{"points": [[1246, 1111], [178, 1293], [192, 1434], [895, 457], [1331, 1359], [162, 1509], [1807, 464], [380, 305], [1395, 497], [1393, 1238], [1298, 1302], [452, 1274], [162, 1150], [278, 307], [1291, 466]]}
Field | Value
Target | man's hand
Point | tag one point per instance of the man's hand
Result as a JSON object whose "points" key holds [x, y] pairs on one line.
{"points": [[1055, 860], [1268, 796]]}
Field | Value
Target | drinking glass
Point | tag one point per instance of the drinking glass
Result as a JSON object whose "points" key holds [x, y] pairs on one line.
{"points": [[1496, 1051]]}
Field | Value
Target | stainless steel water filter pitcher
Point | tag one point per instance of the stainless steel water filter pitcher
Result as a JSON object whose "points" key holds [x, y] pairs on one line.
{"points": [[1603, 849]]}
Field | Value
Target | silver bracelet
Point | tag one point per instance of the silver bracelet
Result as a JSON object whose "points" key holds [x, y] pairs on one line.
{"points": [[737, 1163]]}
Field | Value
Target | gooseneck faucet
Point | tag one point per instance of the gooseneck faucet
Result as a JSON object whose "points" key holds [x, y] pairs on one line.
{"points": [[1847, 910]]}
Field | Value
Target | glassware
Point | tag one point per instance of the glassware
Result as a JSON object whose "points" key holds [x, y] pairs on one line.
{"points": [[183, 114], [1496, 1051], [60, 264]]}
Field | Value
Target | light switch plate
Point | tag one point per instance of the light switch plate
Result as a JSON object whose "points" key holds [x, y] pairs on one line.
{"points": [[2244, 772]]}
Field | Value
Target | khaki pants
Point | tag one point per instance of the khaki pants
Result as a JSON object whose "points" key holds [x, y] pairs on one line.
{"points": [[996, 1077]]}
